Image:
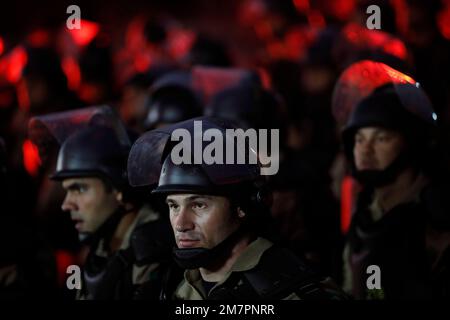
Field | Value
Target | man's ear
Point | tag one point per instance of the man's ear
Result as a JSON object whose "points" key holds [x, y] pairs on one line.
{"points": [[119, 196], [241, 213]]}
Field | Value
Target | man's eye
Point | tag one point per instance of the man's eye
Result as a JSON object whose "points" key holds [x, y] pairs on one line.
{"points": [[199, 205], [82, 189], [172, 206]]}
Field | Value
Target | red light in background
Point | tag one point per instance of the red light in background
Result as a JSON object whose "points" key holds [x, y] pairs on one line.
{"points": [[31, 159], [63, 260], [360, 38], [316, 19], [86, 33], [72, 72], [401, 15], [347, 197], [134, 37], [444, 20], [302, 6], [396, 48], [39, 38], [264, 30], [341, 9], [16, 62], [142, 61], [265, 78], [89, 93], [358, 81], [276, 50], [180, 42], [2, 46]]}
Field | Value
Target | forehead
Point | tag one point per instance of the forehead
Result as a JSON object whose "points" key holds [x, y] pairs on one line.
{"points": [[91, 181], [193, 197], [375, 130]]}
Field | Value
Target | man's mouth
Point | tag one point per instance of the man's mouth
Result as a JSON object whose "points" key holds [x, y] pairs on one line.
{"points": [[187, 243], [78, 223], [367, 165]]}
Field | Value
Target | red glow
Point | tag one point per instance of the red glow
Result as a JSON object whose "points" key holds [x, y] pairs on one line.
{"points": [[250, 12], [360, 38], [444, 21], [210, 80], [341, 9], [63, 260], [17, 60], [276, 50], [31, 159], [89, 93], [302, 6], [265, 78], [316, 19], [86, 33], [134, 38], [39, 38], [401, 15], [2, 46], [264, 30], [142, 61], [180, 42], [347, 197], [396, 48], [72, 72], [358, 81], [296, 42]]}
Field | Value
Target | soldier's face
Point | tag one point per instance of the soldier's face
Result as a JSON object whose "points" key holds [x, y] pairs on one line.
{"points": [[89, 203], [376, 148], [200, 221]]}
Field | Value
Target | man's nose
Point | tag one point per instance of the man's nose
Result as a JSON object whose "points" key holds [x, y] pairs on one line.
{"points": [[68, 204], [184, 222], [367, 147]]}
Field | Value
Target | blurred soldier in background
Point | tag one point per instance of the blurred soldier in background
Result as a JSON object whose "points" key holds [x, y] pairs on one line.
{"points": [[115, 221], [388, 140]]}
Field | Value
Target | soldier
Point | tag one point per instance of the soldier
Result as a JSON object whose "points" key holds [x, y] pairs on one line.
{"points": [[221, 224], [172, 99], [111, 218], [388, 141]]}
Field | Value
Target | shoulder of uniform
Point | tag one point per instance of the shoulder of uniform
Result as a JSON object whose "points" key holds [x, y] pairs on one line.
{"points": [[281, 273]]}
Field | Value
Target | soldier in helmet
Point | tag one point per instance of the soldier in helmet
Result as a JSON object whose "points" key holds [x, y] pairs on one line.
{"points": [[388, 141], [116, 222], [172, 100], [221, 225]]}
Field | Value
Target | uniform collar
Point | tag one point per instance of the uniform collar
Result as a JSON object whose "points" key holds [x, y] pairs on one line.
{"points": [[247, 260]]}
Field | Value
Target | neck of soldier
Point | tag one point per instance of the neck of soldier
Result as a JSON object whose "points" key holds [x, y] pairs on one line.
{"points": [[122, 228], [393, 194], [216, 274]]}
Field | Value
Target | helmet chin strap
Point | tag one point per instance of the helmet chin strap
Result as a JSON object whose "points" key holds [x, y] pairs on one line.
{"points": [[381, 178], [194, 258], [105, 231]]}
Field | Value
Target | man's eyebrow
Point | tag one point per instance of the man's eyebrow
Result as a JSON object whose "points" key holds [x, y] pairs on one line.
{"points": [[75, 186], [190, 198], [383, 131], [197, 197]]}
